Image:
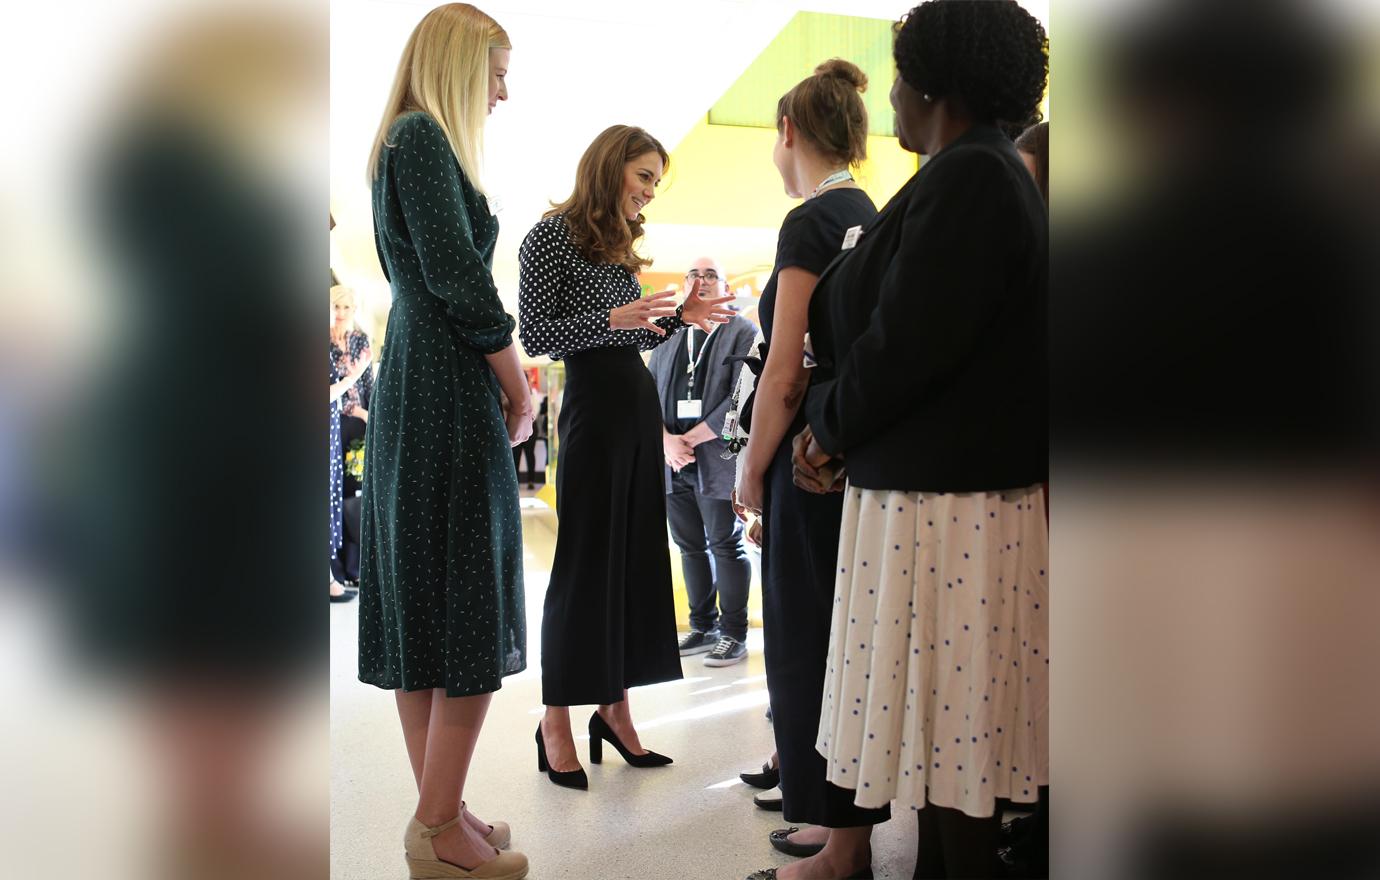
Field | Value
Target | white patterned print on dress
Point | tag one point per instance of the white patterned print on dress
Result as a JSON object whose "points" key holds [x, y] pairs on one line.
{"points": [[441, 584], [938, 676]]}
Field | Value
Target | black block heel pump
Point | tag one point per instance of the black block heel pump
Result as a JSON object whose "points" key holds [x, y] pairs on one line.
{"points": [[600, 731], [567, 779]]}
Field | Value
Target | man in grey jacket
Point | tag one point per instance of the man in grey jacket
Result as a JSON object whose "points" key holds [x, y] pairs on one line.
{"points": [[696, 389]]}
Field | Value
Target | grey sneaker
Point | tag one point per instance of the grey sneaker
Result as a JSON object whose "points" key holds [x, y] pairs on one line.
{"points": [[696, 642], [727, 652]]}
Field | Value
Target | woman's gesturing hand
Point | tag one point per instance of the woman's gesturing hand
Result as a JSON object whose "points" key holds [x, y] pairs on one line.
{"points": [[640, 313], [706, 311]]}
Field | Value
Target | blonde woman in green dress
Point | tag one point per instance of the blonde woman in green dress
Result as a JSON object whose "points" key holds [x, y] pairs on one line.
{"points": [[442, 618]]}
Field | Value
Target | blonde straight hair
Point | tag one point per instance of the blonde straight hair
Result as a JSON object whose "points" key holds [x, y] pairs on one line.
{"points": [[444, 72], [340, 292]]}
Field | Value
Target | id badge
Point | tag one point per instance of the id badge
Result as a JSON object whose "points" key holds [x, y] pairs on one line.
{"points": [[730, 424], [850, 238], [688, 409]]}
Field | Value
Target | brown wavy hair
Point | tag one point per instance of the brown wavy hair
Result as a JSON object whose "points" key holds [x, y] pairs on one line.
{"points": [[598, 228], [828, 111]]}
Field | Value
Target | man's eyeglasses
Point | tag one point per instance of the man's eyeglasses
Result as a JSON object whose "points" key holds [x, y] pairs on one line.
{"points": [[711, 276]]}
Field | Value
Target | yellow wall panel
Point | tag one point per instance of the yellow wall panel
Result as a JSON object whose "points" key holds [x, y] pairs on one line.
{"points": [[722, 175]]}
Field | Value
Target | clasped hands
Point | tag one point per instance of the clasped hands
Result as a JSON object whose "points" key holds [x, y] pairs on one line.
{"points": [[702, 311], [680, 448], [813, 469], [518, 418], [679, 452]]}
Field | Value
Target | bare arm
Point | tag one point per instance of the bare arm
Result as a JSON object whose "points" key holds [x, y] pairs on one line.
{"points": [[357, 368], [339, 388], [781, 388], [518, 415], [508, 369], [701, 433]]}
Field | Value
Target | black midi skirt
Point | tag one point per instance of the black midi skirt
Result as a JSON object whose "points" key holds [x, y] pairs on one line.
{"points": [[800, 545], [609, 620]]}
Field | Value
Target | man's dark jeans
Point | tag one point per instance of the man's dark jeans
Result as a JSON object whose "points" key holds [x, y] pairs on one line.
{"points": [[704, 527]]}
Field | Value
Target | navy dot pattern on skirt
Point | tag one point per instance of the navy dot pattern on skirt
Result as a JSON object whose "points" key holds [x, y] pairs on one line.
{"points": [[930, 655]]}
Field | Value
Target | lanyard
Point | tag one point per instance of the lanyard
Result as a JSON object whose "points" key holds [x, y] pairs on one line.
{"points": [[836, 177], [694, 361]]}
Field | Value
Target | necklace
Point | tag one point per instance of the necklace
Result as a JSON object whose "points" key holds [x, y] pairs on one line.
{"points": [[836, 177]]}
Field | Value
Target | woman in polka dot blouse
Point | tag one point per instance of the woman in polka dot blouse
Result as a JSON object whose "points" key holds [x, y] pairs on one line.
{"points": [[932, 390], [442, 618], [609, 621]]}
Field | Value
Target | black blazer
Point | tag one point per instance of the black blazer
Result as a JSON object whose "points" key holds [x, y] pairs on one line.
{"points": [[931, 332]]}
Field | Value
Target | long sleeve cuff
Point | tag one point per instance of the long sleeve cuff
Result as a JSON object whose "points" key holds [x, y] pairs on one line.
{"points": [[818, 412]]}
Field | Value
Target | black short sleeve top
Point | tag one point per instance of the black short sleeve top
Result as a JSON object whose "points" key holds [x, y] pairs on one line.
{"points": [[812, 236]]}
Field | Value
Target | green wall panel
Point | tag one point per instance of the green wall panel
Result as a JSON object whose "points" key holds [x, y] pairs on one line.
{"points": [[808, 39]]}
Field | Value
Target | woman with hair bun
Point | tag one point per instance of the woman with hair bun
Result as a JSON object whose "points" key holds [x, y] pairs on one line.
{"points": [[821, 133]]}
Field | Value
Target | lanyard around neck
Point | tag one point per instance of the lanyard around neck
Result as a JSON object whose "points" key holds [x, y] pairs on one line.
{"points": [[694, 360], [836, 177]]}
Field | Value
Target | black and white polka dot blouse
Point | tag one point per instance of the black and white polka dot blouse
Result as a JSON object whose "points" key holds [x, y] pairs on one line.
{"points": [[564, 300]]}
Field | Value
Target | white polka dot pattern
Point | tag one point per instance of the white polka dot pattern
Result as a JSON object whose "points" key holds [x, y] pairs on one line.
{"points": [[564, 300]]}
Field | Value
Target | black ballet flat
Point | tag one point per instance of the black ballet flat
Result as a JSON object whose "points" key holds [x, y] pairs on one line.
{"points": [[780, 841], [565, 779], [770, 777], [599, 731]]}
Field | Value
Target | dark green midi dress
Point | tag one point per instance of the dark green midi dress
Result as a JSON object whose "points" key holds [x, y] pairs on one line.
{"points": [[441, 592]]}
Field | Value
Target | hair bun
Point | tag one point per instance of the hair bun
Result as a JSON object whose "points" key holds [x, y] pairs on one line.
{"points": [[847, 71]]}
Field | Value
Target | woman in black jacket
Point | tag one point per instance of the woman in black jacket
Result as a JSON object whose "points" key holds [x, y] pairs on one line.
{"points": [[931, 392]]}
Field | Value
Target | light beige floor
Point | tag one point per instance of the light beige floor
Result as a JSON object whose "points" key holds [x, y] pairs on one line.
{"points": [[693, 820]]}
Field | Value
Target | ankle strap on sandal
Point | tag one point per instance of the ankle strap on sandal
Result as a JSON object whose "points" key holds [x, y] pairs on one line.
{"points": [[432, 832]]}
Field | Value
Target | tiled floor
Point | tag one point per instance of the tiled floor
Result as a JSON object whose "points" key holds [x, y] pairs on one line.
{"points": [[693, 820]]}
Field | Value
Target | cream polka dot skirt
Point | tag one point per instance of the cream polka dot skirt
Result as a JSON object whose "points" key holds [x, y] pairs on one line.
{"points": [[938, 678]]}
